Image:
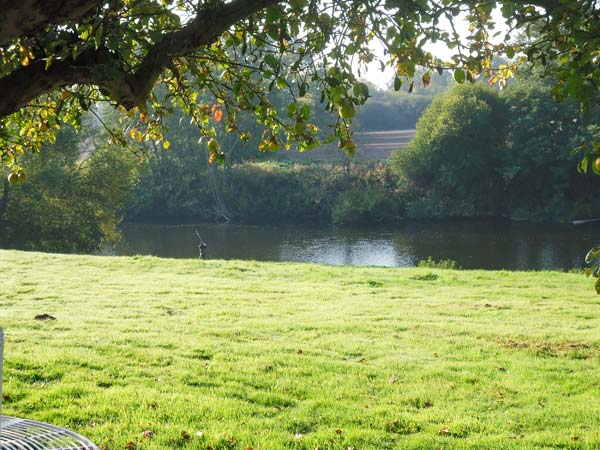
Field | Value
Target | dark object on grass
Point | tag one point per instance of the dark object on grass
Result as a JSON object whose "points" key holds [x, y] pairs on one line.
{"points": [[44, 317]]}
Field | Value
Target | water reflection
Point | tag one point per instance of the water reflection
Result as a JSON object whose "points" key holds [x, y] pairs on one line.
{"points": [[472, 245]]}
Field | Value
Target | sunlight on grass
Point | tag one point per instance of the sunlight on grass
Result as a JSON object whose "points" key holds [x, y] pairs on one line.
{"points": [[158, 353]]}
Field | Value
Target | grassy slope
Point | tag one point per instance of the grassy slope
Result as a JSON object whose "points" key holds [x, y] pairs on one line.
{"points": [[283, 355]]}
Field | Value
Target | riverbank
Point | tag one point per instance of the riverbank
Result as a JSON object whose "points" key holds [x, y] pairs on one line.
{"points": [[153, 353]]}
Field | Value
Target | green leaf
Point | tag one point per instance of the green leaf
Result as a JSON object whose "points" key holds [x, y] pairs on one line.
{"points": [[510, 52], [459, 75], [292, 108], [271, 61], [397, 83]]}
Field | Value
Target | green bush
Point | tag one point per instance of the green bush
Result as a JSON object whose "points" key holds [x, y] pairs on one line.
{"points": [[478, 152], [431, 263], [69, 204], [451, 161], [365, 206]]}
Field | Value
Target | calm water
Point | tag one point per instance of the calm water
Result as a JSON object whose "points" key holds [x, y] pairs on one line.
{"points": [[472, 245]]}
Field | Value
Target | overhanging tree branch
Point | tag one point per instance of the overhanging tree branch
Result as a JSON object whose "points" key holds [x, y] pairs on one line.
{"points": [[102, 68], [22, 17]]}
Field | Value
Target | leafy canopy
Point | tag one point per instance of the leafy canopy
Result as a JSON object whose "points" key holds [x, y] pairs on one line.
{"points": [[60, 58]]}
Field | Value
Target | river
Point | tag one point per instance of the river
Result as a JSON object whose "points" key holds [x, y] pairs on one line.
{"points": [[480, 245]]}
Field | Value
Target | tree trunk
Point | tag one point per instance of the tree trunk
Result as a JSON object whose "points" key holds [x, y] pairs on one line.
{"points": [[3, 205]]}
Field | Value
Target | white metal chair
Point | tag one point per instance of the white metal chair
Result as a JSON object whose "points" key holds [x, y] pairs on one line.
{"points": [[24, 434]]}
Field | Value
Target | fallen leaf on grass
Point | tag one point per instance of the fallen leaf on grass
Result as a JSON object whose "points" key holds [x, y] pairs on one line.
{"points": [[91, 424], [574, 438], [185, 435], [298, 436], [393, 380], [148, 434], [130, 445], [338, 431], [444, 431], [499, 394], [199, 433]]}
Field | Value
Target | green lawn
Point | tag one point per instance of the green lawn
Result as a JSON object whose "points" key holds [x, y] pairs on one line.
{"points": [[158, 353]]}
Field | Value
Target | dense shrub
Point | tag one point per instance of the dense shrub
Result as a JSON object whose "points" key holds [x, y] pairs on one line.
{"points": [[273, 192], [365, 206], [478, 152], [70, 203], [451, 163]]}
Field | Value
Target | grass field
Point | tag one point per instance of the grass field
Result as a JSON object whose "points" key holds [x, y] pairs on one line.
{"points": [[153, 353]]}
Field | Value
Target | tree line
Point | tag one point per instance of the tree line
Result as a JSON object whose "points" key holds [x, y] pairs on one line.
{"points": [[478, 152]]}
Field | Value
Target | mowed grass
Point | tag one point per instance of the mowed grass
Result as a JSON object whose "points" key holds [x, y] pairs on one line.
{"points": [[153, 353]]}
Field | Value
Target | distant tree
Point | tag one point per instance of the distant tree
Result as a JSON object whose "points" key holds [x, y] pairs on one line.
{"points": [[453, 159], [538, 165], [480, 152], [73, 202]]}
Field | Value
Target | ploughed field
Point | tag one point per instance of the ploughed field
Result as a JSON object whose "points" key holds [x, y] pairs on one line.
{"points": [[148, 353], [370, 146]]}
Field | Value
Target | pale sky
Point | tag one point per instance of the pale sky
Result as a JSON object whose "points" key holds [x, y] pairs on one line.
{"points": [[382, 79]]}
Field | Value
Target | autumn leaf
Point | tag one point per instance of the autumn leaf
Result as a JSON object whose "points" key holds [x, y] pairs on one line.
{"points": [[338, 431], [148, 434], [130, 445], [185, 436], [444, 431], [426, 79], [218, 115]]}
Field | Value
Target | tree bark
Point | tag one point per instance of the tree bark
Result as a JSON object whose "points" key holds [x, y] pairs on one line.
{"points": [[22, 17]]}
